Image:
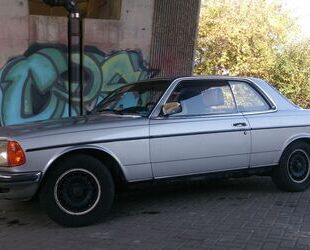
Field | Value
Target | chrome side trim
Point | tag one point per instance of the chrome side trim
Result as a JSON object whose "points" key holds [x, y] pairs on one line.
{"points": [[88, 144], [274, 108], [85, 143], [262, 166], [261, 112], [199, 158], [7, 178], [197, 116], [200, 173], [282, 127]]}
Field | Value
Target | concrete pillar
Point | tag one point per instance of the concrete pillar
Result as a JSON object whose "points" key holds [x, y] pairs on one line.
{"points": [[174, 34]]}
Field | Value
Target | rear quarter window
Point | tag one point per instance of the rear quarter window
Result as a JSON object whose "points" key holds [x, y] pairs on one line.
{"points": [[247, 98]]}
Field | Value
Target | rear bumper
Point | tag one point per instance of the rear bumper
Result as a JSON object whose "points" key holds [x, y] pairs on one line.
{"points": [[19, 186]]}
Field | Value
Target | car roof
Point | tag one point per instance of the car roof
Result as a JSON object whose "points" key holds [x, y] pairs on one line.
{"points": [[211, 77]]}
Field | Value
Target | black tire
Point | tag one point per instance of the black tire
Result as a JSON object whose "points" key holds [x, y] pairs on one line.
{"points": [[79, 191], [293, 172]]}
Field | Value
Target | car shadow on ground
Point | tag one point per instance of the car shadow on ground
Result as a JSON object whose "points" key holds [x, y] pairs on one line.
{"points": [[152, 199], [178, 193]]}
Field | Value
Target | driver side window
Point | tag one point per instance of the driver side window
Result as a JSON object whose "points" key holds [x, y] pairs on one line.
{"points": [[203, 97]]}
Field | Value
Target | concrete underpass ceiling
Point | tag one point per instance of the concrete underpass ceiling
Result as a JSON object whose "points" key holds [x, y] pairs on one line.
{"points": [[101, 9]]}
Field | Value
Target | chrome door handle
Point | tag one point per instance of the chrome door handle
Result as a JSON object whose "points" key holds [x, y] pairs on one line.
{"points": [[240, 124]]}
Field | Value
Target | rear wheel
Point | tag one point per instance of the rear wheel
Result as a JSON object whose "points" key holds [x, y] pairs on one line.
{"points": [[293, 172], [79, 191]]}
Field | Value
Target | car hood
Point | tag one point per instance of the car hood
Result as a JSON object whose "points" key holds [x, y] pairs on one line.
{"points": [[70, 125]]}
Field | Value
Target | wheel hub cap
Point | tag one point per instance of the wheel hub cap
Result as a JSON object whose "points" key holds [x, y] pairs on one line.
{"points": [[298, 166], [77, 191]]}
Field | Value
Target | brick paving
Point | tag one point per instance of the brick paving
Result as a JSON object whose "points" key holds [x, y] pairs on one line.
{"points": [[248, 213]]}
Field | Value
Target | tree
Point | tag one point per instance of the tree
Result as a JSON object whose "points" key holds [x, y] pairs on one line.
{"points": [[253, 38], [291, 72]]}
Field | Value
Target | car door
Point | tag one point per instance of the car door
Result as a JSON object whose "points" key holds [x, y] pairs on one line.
{"points": [[259, 112], [207, 135]]}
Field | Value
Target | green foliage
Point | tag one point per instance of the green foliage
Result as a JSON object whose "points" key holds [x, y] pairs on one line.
{"points": [[254, 38], [291, 73]]}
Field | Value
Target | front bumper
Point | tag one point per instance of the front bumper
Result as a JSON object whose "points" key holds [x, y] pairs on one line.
{"points": [[19, 186]]}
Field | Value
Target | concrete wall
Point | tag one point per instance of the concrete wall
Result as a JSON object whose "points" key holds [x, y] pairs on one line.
{"points": [[20, 30], [132, 31], [14, 35]]}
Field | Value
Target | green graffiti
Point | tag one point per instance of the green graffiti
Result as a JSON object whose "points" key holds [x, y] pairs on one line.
{"points": [[34, 86]]}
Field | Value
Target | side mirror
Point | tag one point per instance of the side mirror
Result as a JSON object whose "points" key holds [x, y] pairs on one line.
{"points": [[171, 108]]}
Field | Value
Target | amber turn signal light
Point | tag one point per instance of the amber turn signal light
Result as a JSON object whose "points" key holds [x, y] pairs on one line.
{"points": [[15, 154]]}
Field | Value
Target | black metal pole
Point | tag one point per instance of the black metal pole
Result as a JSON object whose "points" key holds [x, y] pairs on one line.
{"points": [[69, 69], [75, 53], [81, 67], [75, 48]]}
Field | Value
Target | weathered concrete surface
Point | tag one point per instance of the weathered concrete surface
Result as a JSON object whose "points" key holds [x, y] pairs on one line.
{"points": [[248, 213], [14, 37], [164, 31], [19, 30], [132, 31], [174, 36], [14, 8], [44, 29]]}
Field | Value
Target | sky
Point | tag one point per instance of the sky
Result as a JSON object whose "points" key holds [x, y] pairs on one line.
{"points": [[301, 10]]}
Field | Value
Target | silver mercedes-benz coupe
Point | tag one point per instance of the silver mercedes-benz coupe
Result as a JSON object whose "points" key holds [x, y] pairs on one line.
{"points": [[156, 130]]}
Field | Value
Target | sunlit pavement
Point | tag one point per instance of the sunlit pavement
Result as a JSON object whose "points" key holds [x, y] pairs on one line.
{"points": [[249, 213]]}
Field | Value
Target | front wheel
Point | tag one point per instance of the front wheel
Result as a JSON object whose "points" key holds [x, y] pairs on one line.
{"points": [[293, 172], [79, 191]]}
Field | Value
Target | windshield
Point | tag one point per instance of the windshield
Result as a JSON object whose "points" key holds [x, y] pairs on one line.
{"points": [[134, 99]]}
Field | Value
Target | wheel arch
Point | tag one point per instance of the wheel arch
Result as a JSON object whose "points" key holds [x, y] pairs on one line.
{"points": [[299, 138], [105, 156]]}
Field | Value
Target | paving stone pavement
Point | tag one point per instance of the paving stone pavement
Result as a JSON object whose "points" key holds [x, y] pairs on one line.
{"points": [[248, 213]]}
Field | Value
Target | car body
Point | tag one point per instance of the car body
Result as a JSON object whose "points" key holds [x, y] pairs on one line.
{"points": [[245, 125]]}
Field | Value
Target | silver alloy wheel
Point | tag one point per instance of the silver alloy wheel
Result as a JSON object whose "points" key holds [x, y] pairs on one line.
{"points": [[298, 166], [67, 189]]}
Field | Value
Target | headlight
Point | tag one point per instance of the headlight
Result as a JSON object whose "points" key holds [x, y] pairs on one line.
{"points": [[3, 153], [11, 154]]}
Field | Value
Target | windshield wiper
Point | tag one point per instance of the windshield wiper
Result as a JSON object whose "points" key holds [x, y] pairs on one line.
{"points": [[119, 112], [128, 111]]}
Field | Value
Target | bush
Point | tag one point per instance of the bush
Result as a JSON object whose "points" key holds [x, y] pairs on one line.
{"points": [[257, 39]]}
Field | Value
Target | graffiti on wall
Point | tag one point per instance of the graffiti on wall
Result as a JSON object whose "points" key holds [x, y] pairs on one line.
{"points": [[34, 86]]}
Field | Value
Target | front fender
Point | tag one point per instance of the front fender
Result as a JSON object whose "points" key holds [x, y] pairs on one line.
{"points": [[72, 149]]}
